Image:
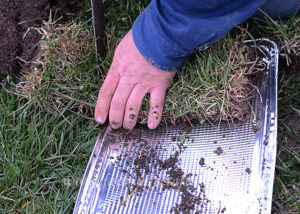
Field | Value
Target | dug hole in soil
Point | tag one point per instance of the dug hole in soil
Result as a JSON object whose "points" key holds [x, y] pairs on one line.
{"points": [[16, 17]]}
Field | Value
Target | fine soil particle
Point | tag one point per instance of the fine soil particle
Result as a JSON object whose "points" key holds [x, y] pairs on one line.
{"points": [[16, 17], [218, 151], [125, 171], [152, 182], [223, 210], [264, 164], [202, 162], [248, 171], [132, 116]]}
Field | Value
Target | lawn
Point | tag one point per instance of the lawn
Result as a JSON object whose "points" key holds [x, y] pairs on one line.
{"points": [[47, 131]]}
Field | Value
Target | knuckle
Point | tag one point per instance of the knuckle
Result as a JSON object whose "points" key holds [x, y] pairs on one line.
{"points": [[132, 104], [105, 93], [100, 110], [117, 104]]}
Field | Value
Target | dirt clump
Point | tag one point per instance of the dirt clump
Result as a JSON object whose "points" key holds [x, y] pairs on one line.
{"points": [[248, 171], [18, 39], [202, 161], [218, 151]]}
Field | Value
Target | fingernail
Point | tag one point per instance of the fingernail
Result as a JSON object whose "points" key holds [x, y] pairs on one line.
{"points": [[114, 125], [127, 127], [99, 119], [151, 125]]}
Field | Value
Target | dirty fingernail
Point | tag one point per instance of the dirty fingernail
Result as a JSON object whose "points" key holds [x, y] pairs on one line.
{"points": [[125, 126], [115, 125], [99, 119]]}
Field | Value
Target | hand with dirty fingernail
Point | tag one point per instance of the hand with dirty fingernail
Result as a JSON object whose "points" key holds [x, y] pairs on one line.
{"points": [[129, 79]]}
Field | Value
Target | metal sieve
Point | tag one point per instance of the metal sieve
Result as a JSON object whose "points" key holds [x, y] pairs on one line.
{"points": [[230, 166]]}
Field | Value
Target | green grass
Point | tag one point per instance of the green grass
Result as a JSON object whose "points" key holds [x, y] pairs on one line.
{"points": [[286, 197], [43, 156], [47, 130]]}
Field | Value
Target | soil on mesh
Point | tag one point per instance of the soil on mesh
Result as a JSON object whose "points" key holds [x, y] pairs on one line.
{"points": [[202, 161], [16, 16], [219, 150], [145, 161]]}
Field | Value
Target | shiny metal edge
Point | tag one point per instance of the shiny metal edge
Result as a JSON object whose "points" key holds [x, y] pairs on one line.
{"points": [[266, 141], [89, 177]]}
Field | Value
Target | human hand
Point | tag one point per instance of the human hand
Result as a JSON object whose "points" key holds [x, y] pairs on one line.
{"points": [[129, 79]]}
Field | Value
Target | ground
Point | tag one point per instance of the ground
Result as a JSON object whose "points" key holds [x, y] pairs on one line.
{"points": [[16, 17], [45, 148]]}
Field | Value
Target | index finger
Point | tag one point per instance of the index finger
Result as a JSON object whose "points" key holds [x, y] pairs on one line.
{"points": [[105, 95]]}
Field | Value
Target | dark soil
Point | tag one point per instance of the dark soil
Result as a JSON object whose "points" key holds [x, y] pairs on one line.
{"points": [[16, 16], [248, 171], [294, 67], [146, 161], [202, 162], [218, 151]]}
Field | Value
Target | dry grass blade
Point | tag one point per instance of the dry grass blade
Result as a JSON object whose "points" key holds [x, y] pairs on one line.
{"points": [[64, 68]]}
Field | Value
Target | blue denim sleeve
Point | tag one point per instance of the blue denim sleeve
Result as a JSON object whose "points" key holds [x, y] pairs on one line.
{"points": [[167, 31]]}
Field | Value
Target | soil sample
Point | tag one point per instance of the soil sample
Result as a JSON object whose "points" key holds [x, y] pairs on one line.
{"points": [[147, 161]]}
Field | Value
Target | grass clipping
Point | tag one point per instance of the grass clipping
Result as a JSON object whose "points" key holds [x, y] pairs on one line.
{"points": [[214, 85]]}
